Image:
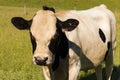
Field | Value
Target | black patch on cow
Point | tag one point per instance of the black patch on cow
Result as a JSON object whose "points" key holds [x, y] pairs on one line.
{"points": [[68, 25], [108, 46], [59, 47], [102, 35], [48, 8], [21, 23], [33, 42]]}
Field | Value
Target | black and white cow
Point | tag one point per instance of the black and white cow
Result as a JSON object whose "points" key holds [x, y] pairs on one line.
{"points": [[66, 42]]}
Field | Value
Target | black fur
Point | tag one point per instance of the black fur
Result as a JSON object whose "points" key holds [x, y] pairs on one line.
{"points": [[33, 42], [48, 8], [107, 52], [59, 47], [102, 35], [68, 25], [21, 23], [108, 45]]}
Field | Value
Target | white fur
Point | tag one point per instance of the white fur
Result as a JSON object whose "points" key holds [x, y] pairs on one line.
{"points": [[87, 50]]}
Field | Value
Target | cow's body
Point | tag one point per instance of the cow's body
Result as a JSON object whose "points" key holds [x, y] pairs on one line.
{"points": [[86, 49], [91, 42]]}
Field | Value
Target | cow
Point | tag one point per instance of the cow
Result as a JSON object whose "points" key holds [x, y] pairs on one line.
{"points": [[66, 42]]}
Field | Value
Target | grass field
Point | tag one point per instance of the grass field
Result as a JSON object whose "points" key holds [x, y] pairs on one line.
{"points": [[15, 47]]}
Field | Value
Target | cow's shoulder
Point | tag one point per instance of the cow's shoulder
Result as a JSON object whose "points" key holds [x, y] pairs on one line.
{"points": [[64, 15]]}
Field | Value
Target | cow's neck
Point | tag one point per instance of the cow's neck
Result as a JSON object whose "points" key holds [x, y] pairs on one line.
{"points": [[59, 47], [62, 71]]}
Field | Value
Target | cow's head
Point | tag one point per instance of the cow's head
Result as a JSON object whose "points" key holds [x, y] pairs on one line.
{"points": [[46, 31]]}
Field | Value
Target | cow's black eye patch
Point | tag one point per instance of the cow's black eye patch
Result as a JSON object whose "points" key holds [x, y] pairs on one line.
{"points": [[33, 42], [102, 35]]}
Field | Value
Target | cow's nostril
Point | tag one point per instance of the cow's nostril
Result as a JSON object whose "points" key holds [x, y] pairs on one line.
{"points": [[37, 58], [46, 58], [40, 61]]}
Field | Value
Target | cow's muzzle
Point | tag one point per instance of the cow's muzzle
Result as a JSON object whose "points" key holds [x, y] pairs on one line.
{"points": [[40, 61]]}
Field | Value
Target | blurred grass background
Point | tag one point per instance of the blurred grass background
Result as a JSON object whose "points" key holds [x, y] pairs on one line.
{"points": [[15, 47]]}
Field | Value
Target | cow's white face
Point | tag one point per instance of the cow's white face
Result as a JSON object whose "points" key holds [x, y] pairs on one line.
{"points": [[43, 29], [48, 41]]}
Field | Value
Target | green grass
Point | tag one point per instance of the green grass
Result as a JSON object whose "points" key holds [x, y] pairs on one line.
{"points": [[62, 4], [15, 47]]}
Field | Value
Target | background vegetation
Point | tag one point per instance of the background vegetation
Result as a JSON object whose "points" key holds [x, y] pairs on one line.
{"points": [[15, 47]]}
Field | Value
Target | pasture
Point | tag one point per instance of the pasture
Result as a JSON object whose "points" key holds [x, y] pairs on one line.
{"points": [[15, 47]]}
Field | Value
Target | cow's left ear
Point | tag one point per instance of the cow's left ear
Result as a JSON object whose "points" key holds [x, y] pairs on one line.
{"points": [[21, 23], [68, 25]]}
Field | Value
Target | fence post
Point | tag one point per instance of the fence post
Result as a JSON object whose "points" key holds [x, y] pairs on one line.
{"points": [[25, 11]]}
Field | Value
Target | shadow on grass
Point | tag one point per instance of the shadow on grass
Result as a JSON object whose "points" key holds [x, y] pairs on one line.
{"points": [[115, 75]]}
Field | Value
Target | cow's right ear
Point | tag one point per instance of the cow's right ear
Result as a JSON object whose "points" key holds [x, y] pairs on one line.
{"points": [[21, 23]]}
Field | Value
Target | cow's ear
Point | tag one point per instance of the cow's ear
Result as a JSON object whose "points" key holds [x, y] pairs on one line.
{"points": [[21, 23], [68, 25]]}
